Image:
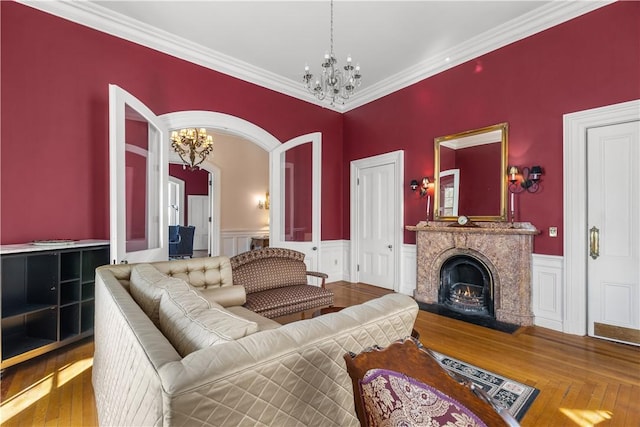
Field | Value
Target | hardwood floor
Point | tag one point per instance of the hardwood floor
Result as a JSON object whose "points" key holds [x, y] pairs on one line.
{"points": [[582, 381]]}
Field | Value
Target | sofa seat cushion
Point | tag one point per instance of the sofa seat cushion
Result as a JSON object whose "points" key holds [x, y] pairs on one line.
{"points": [[147, 286], [191, 323], [291, 299]]}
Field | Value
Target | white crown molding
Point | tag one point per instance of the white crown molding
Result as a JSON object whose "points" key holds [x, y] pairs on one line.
{"points": [[107, 21]]}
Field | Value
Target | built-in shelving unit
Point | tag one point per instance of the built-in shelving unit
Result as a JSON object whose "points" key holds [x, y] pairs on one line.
{"points": [[47, 296]]}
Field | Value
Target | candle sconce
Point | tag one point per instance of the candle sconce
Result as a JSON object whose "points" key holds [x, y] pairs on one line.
{"points": [[528, 181], [424, 185]]}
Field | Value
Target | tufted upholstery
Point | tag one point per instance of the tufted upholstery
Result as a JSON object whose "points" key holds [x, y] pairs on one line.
{"points": [[211, 276], [293, 375], [275, 280], [199, 272]]}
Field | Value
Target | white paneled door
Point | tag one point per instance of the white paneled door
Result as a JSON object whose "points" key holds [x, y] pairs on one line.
{"points": [[375, 223], [198, 212], [613, 159], [138, 145]]}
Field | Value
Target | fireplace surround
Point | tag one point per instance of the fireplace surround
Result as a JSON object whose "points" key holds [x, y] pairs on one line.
{"points": [[504, 249]]}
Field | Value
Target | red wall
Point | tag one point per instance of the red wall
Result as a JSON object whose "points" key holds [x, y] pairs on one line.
{"points": [[54, 164], [54, 91], [590, 61]]}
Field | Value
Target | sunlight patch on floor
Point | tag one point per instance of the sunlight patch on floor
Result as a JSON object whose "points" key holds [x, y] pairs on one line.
{"points": [[71, 371], [38, 390], [586, 417], [27, 397]]}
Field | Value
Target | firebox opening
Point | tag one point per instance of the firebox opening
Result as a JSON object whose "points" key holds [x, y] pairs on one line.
{"points": [[466, 286]]}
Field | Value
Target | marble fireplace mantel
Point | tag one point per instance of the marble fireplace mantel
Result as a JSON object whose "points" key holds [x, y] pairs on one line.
{"points": [[504, 248]]}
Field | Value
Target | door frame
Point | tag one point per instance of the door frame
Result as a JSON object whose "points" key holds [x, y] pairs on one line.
{"points": [[222, 123], [397, 159], [575, 249]]}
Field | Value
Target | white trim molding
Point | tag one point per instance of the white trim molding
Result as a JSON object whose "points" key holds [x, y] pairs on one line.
{"points": [[575, 204]]}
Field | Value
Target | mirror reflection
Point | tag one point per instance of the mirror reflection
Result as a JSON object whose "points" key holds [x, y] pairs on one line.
{"points": [[470, 174]]}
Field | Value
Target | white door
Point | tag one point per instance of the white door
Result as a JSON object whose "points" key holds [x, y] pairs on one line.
{"points": [[176, 201], [138, 144], [376, 219], [295, 196], [613, 158], [376, 222], [198, 214]]}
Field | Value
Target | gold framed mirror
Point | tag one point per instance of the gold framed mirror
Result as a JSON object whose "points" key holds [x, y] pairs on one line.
{"points": [[470, 175]]}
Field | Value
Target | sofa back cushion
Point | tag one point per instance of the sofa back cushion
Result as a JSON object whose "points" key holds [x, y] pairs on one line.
{"points": [[269, 268], [191, 323], [146, 287], [201, 273]]}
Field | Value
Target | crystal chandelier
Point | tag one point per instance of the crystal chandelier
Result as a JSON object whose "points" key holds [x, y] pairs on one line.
{"points": [[192, 143], [335, 84]]}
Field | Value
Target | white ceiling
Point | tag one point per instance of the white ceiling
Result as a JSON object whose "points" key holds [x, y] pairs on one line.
{"points": [[396, 43]]}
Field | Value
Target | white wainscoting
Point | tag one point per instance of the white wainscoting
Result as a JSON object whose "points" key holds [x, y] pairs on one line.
{"points": [[334, 259], [409, 270], [547, 291], [234, 242]]}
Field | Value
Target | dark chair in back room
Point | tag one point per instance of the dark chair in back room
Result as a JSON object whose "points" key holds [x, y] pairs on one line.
{"points": [[181, 241]]}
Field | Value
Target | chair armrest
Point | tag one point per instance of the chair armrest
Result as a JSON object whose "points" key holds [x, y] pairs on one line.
{"points": [[323, 276]]}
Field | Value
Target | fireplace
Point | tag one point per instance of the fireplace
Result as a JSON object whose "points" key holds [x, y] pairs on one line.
{"points": [[466, 286], [493, 263]]}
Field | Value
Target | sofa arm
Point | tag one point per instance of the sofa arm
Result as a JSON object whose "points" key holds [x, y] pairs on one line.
{"points": [[226, 296], [323, 276]]}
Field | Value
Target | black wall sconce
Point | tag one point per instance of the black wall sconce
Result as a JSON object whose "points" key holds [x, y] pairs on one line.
{"points": [[529, 182], [424, 185], [530, 179]]}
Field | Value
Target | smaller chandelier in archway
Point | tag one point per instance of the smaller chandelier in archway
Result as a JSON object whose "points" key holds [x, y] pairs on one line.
{"points": [[192, 145]]}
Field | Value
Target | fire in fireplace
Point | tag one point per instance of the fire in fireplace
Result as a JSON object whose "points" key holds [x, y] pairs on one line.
{"points": [[466, 286]]}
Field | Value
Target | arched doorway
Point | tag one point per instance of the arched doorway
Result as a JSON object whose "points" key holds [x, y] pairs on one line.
{"points": [[222, 123]]}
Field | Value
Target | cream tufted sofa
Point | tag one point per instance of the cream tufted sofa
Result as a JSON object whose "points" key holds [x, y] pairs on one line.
{"points": [[270, 375]]}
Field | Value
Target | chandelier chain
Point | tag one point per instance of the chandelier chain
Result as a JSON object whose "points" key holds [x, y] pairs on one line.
{"points": [[331, 38]]}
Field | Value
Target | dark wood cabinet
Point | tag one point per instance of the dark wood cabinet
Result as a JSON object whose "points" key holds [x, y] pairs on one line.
{"points": [[47, 297]]}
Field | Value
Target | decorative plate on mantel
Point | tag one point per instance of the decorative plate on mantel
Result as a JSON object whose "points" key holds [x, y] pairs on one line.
{"points": [[53, 242]]}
